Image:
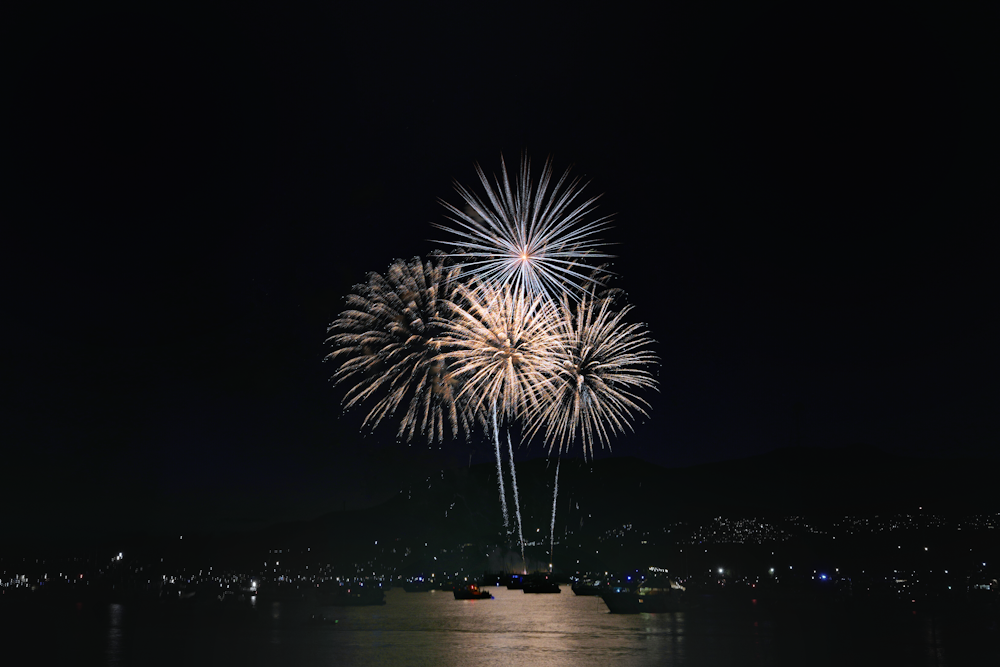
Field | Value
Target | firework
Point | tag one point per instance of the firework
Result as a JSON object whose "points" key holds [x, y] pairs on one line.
{"points": [[486, 342], [601, 362], [538, 238], [499, 342], [388, 342]]}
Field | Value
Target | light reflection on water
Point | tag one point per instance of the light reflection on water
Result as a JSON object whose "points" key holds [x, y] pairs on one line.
{"points": [[115, 618], [513, 629]]}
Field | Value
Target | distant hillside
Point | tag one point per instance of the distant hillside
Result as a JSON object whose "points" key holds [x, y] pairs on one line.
{"points": [[463, 505]]}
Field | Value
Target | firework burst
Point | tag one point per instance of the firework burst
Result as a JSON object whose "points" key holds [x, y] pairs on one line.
{"points": [[538, 238], [601, 362], [501, 344], [388, 341]]}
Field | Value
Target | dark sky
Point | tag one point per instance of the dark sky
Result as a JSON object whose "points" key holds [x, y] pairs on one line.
{"points": [[803, 200]]}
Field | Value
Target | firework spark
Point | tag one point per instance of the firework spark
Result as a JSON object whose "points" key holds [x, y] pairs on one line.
{"points": [[601, 362], [388, 339], [537, 238]]}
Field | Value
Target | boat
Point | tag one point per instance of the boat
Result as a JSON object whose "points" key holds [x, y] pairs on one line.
{"points": [[588, 587], [471, 592], [540, 583], [515, 583], [419, 585], [649, 598]]}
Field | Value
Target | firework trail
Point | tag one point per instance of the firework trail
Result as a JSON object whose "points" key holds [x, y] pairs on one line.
{"points": [[503, 495], [533, 237], [552, 527], [388, 341], [517, 504], [500, 344]]}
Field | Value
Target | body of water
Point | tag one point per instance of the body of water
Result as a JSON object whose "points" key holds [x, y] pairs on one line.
{"points": [[513, 629]]}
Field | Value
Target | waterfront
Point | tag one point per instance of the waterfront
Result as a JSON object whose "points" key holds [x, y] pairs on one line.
{"points": [[513, 629]]}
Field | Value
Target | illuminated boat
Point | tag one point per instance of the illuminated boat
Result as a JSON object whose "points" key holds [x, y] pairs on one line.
{"points": [[419, 585], [588, 587], [471, 592], [647, 599]]}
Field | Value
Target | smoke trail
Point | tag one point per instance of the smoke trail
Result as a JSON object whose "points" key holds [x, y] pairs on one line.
{"points": [[503, 497], [517, 504], [552, 529]]}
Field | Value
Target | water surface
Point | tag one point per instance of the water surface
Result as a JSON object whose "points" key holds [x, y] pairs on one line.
{"points": [[513, 629]]}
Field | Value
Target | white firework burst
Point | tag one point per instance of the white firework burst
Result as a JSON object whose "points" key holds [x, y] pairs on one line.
{"points": [[601, 362], [538, 238], [388, 341], [500, 342]]}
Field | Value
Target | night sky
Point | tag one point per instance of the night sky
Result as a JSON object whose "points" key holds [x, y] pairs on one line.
{"points": [[802, 200]]}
